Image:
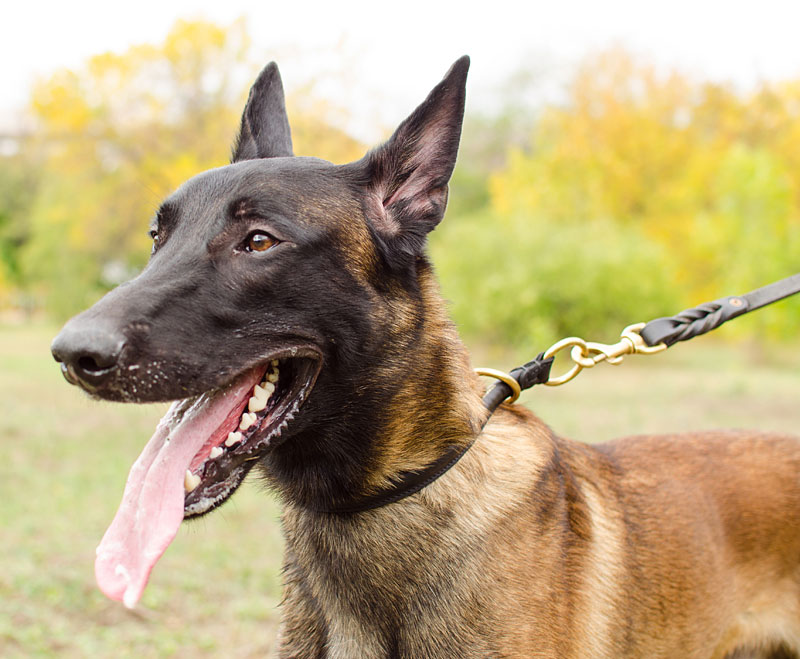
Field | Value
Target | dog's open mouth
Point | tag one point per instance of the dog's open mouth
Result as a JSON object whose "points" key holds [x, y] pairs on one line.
{"points": [[199, 454], [254, 422]]}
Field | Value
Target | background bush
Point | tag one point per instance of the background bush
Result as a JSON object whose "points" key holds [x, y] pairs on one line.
{"points": [[523, 282]]}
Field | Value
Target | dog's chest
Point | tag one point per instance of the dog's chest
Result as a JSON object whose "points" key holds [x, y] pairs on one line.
{"points": [[349, 636], [387, 592]]}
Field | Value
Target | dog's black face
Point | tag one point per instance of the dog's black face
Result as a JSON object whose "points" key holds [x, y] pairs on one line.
{"points": [[274, 285], [234, 251], [233, 284]]}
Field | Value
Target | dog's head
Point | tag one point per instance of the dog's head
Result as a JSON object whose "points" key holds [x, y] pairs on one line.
{"points": [[274, 286]]}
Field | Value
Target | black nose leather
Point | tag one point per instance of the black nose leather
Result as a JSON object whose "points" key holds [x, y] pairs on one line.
{"points": [[88, 355]]}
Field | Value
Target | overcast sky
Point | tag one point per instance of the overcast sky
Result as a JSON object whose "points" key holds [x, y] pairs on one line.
{"points": [[400, 49]]}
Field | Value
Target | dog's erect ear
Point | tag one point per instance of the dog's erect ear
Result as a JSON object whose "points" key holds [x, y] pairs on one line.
{"points": [[265, 129], [406, 178]]}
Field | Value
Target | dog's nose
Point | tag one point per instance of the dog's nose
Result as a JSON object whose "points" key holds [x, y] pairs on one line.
{"points": [[88, 355]]}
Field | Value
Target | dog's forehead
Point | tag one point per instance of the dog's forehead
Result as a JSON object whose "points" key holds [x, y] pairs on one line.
{"points": [[287, 186]]}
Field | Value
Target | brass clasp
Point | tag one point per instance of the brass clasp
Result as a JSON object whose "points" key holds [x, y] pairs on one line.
{"points": [[586, 354]]}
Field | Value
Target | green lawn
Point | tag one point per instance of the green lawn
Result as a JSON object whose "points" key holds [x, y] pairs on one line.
{"points": [[216, 590]]}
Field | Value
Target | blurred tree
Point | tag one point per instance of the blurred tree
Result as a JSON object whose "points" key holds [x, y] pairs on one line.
{"points": [[18, 185], [486, 141], [639, 191], [488, 136], [123, 132], [118, 135], [709, 174]]}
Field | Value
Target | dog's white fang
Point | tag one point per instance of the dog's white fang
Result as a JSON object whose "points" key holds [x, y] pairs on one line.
{"points": [[190, 481]]}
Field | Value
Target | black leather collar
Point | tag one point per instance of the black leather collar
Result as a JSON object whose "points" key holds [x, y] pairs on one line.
{"points": [[534, 372]]}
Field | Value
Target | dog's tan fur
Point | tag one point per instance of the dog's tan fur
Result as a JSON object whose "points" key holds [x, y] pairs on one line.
{"points": [[537, 546]]}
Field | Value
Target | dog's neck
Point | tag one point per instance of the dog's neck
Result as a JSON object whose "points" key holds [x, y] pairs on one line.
{"points": [[402, 413], [438, 401]]}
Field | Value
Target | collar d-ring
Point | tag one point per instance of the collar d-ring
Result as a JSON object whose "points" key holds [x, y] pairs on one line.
{"points": [[504, 377]]}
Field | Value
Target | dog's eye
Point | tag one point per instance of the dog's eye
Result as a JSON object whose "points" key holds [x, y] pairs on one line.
{"points": [[259, 241], [154, 236]]}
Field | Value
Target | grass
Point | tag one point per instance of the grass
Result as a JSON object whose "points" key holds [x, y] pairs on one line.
{"points": [[66, 459], [215, 591]]}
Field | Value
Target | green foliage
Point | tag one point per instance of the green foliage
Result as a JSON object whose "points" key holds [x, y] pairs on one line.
{"points": [[18, 186], [525, 282]]}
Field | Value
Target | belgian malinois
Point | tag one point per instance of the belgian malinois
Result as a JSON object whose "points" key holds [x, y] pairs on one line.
{"points": [[290, 310]]}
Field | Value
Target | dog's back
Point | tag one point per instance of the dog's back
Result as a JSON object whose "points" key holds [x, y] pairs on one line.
{"points": [[713, 538], [659, 546]]}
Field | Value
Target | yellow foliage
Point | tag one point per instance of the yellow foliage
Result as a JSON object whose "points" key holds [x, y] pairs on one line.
{"points": [[711, 174], [62, 100], [123, 131]]}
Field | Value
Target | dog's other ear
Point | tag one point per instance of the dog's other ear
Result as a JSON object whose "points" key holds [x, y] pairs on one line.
{"points": [[406, 178], [265, 129]]}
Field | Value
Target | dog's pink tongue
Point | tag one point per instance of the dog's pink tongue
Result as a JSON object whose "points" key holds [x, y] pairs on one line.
{"points": [[152, 505]]}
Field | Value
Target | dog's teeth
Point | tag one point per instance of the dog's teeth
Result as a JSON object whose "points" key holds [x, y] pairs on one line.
{"points": [[233, 438], [216, 452], [256, 405], [273, 376], [263, 391], [274, 362], [248, 419], [190, 481]]}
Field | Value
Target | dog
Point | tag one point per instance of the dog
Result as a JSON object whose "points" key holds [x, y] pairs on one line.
{"points": [[290, 309]]}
